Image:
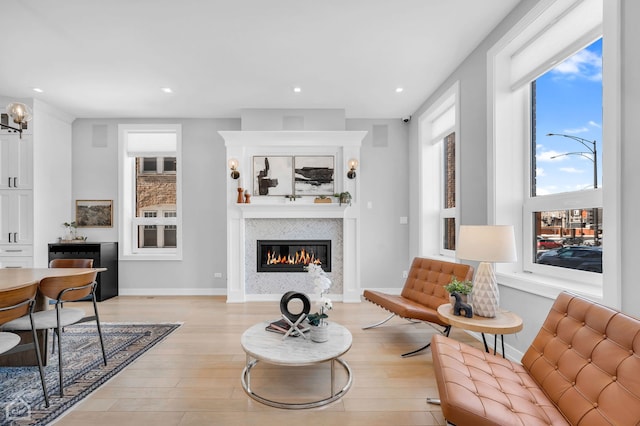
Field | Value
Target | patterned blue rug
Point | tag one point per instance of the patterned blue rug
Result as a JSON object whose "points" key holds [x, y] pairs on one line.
{"points": [[21, 399]]}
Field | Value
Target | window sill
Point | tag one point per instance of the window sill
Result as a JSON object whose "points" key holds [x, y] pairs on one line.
{"points": [[546, 286]]}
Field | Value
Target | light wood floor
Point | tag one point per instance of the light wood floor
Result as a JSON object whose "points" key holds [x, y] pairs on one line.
{"points": [[193, 377]]}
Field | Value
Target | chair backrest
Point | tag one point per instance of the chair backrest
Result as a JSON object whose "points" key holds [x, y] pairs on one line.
{"points": [[14, 303], [71, 263], [427, 278], [52, 287], [586, 358]]}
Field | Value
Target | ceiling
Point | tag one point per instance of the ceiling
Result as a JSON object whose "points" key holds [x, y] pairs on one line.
{"points": [[111, 58]]}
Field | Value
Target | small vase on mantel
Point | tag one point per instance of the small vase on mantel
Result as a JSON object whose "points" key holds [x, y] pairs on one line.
{"points": [[319, 333]]}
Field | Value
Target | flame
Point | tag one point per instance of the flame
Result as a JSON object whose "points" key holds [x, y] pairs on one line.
{"points": [[301, 257]]}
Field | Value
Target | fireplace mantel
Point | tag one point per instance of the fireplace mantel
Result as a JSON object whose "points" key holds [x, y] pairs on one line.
{"points": [[292, 210], [242, 146]]}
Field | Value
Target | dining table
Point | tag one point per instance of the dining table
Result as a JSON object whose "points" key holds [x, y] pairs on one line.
{"points": [[13, 278]]}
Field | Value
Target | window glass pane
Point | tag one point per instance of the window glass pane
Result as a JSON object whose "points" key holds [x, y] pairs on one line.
{"points": [[569, 238], [169, 164], [149, 164], [170, 236], [149, 236], [154, 192], [566, 116], [450, 171], [449, 234]]}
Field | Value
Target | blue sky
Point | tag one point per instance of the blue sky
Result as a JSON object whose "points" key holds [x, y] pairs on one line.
{"points": [[569, 102]]}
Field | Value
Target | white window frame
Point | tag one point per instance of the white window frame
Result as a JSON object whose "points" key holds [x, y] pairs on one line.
{"points": [[128, 231], [431, 174], [509, 155]]}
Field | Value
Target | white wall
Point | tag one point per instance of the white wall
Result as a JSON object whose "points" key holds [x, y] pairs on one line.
{"points": [[630, 172], [384, 182], [204, 205], [383, 179]]}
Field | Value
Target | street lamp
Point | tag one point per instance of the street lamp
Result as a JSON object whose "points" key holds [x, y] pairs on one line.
{"points": [[591, 154]]}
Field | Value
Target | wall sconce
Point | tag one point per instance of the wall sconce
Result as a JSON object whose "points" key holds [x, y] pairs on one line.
{"points": [[233, 165], [353, 165], [20, 114]]}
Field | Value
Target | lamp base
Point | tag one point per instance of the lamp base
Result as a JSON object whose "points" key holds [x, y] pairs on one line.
{"points": [[485, 296]]}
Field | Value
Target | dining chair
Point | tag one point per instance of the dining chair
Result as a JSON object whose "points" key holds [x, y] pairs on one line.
{"points": [[71, 263], [63, 289], [18, 303]]}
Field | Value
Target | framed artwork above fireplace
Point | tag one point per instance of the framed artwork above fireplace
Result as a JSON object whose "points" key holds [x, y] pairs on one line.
{"points": [[272, 175]]}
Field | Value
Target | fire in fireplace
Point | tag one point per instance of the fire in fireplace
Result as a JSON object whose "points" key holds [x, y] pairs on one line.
{"points": [[293, 255]]}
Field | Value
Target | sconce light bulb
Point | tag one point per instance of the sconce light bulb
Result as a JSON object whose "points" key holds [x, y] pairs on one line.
{"points": [[353, 164]]}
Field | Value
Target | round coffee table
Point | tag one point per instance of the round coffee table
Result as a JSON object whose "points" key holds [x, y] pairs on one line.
{"points": [[265, 346]]}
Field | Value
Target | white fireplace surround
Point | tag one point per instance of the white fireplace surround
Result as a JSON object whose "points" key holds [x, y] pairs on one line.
{"points": [[243, 146]]}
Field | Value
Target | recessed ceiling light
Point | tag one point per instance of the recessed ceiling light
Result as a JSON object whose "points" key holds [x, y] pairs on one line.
{"points": [[37, 89], [166, 89], [399, 89], [297, 89]]}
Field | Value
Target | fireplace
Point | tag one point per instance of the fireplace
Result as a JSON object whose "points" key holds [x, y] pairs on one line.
{"points": [[292, 255]]}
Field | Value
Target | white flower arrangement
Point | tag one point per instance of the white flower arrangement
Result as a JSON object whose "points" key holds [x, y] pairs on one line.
{"points": [[321, 283]]}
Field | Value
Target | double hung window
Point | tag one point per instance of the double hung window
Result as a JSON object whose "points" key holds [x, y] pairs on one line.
{"points": [[150, 191], [546, 133]]}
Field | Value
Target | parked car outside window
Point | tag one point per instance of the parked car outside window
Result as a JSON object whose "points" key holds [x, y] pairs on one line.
{"points": [[547, 244], [585, 258]]}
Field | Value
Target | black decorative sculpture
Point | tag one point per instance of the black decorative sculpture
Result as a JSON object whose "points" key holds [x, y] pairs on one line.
{"points": [[460, 308]]}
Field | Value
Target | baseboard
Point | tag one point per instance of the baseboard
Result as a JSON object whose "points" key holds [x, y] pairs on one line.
{"points": [[172, 292]]}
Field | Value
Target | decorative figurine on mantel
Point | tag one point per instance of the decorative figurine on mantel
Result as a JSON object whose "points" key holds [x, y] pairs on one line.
{"points": [[240, 197], [247, 197]]}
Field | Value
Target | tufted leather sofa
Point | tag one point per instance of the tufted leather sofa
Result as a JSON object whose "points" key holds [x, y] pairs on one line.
{"points": [[583, 368], [422, 293]]}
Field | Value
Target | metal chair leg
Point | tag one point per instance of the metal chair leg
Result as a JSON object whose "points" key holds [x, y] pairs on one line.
{"points": [[58, 332], [39, 357], [378, 323], [95, 310], [445, 332]]}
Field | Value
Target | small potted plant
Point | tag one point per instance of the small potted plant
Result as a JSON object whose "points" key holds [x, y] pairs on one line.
{"points": [[70, 230], [461, 287], [343, 197]]}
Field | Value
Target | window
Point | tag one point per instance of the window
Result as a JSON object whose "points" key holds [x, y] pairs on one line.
{"points": [[566, 137], [150, 191], [449, 191], [547, 125], [438, 176]]}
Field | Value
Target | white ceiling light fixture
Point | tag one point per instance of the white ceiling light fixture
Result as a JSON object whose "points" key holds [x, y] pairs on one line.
{"points": [[166, 89], [37, 89], [399, 90], [297, 89]]}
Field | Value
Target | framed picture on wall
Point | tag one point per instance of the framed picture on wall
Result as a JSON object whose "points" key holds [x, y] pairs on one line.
{"points": [[314, 175], [94, 213], [272, 175]]}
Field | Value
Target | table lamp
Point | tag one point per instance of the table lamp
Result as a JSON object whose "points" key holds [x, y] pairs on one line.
{"points": [[486, 244]]}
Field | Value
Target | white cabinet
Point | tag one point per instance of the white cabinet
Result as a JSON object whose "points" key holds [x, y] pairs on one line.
{"points": [[16, 217], [16, 161]]}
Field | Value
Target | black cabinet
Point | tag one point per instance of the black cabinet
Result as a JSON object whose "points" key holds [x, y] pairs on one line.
{"points": [[104, 255]]}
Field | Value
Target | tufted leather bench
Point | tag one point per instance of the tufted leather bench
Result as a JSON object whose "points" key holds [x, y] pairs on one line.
{"points": [[583, 368], [422, 293]]}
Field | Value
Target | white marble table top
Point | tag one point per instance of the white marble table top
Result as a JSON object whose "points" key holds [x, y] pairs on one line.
{"points": [[295, 351]]}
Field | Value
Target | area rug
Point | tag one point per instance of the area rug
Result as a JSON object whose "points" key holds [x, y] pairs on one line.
{"points": [[21, 399]]}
